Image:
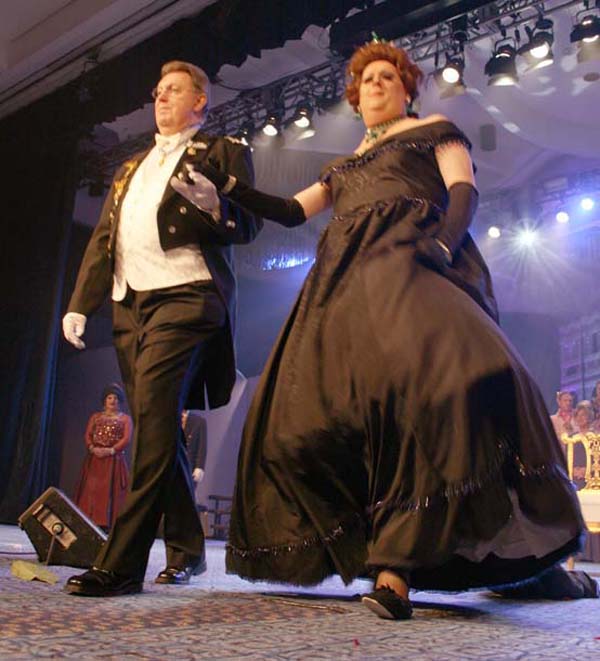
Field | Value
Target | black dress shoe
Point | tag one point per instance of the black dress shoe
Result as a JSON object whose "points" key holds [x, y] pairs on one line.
{"points": [[388, 604], [180, 575], [102, 583]]}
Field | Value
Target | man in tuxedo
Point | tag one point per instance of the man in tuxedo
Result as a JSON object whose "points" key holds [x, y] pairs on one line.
{"points": [[166, 259]]}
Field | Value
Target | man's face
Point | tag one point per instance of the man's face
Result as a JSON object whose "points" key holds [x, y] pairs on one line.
{"points": [[565, 402], [178, 103]]}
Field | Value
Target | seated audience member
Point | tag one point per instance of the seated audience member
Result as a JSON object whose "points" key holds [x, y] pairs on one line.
{"points": [[585, 423], [583, 418], [562, 420]]}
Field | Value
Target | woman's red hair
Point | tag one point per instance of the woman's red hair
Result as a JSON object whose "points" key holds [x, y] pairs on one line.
{"points": [[410, 74]]}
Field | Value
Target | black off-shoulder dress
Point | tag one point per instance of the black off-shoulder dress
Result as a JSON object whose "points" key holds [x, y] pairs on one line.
{"points": [[394, 425]]}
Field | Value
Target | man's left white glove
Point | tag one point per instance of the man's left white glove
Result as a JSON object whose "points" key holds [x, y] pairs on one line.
{"points": [[197, 474], [202, 193], [73, 325]]}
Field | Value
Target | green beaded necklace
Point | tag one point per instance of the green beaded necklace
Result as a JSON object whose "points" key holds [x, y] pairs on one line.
{"points": [[374, 132]]}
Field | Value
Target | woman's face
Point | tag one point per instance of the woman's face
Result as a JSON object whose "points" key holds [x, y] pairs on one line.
{"points": [[582, 418], [382, 91], [111, 403]]}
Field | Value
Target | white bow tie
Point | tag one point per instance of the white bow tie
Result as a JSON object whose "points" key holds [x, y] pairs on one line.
{"points": [[167, 143]]}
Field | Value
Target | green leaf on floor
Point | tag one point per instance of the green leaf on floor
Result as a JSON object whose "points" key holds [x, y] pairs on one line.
{"points": [[32, 571]]}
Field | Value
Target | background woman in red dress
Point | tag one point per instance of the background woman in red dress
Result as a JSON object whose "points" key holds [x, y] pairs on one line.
{"points": [[105, 476]]}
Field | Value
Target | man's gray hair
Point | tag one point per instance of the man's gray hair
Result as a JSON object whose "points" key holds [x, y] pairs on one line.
{"points": [[199, 78]]}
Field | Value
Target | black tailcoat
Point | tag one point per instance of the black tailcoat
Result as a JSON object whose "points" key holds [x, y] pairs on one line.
{"points": [[181, 223]]}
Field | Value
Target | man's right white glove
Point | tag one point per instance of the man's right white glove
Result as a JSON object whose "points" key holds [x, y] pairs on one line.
{"points": [[73, 325], [200, 191]]}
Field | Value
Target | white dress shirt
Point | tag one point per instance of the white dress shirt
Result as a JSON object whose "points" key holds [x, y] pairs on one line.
{"points": [[139, 259]]}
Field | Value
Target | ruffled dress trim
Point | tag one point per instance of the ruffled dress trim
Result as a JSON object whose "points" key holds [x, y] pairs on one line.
{"points": [[460, 489]]}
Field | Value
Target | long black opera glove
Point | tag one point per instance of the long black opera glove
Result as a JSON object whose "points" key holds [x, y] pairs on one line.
{"points": [[437, 252], [287, 212]]}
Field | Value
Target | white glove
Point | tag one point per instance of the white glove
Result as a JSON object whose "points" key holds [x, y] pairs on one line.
{"points": [[73, 325], [197, 475], [202, 193]]}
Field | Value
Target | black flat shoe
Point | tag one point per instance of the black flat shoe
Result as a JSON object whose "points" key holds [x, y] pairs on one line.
{"points": [[180, 575], [388, 604], [555, 583], [102, 583]]}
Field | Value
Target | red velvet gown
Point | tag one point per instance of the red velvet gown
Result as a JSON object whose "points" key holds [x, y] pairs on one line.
{"points": [[104, 480]]}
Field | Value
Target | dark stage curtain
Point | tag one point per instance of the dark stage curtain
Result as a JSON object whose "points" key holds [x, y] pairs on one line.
{"points": [[38, 147], [37, 198]]}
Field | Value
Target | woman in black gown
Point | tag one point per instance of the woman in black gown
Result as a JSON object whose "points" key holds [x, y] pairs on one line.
{"points": [[395, 432]]}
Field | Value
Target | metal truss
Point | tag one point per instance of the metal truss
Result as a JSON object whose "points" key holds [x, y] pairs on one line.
{"points": [[323, 85]]}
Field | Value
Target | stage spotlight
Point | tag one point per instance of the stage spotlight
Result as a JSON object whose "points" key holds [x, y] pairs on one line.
{"points": [[587, 34], [526, 238], [494, 232], [272, 125], [449, 78], [501, 68], [303, 115], [562, 217], [453, 70], [587, 30], [587, 204], [538, 50]]}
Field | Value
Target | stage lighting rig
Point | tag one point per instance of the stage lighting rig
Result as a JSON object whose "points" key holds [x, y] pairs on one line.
{"points": [[452, 72], [587, 29], [272, 125], [501, 68], [538, 50], [302, 117], [586, 32]]}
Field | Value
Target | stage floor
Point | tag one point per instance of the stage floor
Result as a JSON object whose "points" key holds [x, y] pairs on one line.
{"points": [[218, 616]]}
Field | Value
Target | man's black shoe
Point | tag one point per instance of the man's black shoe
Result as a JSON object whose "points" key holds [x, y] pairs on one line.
{"points": [[180, 575], [102, 583]]}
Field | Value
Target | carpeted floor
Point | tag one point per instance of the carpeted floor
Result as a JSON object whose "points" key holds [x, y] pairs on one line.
{"points": [[221, 617]]}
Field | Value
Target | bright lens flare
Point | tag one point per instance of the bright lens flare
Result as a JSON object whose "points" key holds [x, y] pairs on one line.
{"points": [[527, 238], [587, 204]]}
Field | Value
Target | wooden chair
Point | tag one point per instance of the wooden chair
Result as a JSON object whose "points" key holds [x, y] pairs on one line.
{"points": [[220, 509]]}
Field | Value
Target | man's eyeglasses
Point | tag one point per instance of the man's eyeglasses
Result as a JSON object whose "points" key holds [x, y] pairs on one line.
{"points": [[173, 90]]}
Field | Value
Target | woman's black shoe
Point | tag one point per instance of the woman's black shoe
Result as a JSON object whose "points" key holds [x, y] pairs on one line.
{"points": [[388, 604], [102, 583], [555, 583]]}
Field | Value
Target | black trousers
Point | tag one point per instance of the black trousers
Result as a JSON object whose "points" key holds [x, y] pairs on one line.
{"points": [[161, 337]]}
